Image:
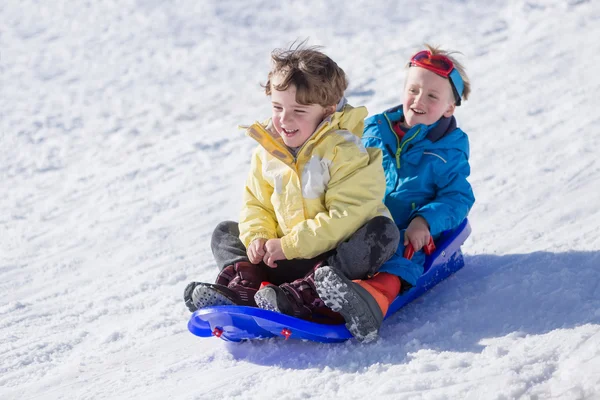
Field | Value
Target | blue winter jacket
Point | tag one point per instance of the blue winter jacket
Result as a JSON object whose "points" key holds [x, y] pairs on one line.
{"points": [[426, 175]]}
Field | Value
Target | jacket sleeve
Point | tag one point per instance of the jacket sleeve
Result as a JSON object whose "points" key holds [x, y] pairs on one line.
{"points": [[257, 218], [454, 197], [354, 196]]}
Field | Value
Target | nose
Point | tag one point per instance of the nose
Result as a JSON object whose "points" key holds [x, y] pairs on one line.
{"points": [[285, 116], [418, 97]]}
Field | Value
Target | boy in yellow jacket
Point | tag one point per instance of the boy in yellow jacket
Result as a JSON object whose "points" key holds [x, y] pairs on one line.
{"points": [[313, 197]]}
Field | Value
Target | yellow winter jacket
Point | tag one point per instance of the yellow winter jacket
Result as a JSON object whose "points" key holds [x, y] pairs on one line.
{"points": [[319, 198]]}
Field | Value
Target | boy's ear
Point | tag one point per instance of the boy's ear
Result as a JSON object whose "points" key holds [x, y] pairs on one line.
{"points": [[450, 110], [329, 110]]}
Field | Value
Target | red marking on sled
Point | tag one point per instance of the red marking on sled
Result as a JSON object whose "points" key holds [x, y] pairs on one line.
{"points": [[286, 332]]}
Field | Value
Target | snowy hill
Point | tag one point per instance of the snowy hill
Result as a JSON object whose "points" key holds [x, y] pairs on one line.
{"points": [[120, 152]]}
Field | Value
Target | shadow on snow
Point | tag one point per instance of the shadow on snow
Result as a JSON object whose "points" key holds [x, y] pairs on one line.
{"points": [[492, 296]]}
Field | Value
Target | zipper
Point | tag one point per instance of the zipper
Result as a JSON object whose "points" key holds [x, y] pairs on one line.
{"points": [[404, 144], [321, 127], [277, 146], [400, 147]]}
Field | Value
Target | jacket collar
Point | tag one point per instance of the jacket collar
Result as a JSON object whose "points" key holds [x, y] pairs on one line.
{"points": [[434, 132], [345, 118]]}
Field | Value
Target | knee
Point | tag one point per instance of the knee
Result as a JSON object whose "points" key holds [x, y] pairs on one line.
{"points": [[386, 231], [223, 229]]}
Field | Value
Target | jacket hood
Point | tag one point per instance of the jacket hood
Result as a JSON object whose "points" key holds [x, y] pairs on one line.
{"points": [[348, 118]]}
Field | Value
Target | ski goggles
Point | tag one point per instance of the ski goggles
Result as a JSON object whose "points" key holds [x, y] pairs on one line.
{"points": [[442, 66]]}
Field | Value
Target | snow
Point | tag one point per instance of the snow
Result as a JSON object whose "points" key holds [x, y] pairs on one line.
{"points": [[120, 153]]}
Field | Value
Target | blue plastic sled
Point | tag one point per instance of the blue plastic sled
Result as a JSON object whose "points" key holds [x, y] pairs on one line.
{"points": [[237, 323]]}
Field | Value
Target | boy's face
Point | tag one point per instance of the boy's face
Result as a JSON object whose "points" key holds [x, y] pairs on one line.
{"points": [[294, 122], [427, 97]]}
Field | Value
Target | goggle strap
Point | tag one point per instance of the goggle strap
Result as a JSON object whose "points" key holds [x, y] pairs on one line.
{"points": [[458, 86]]}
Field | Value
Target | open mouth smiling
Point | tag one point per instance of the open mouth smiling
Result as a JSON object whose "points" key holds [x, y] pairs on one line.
{"points": [[289, 131]]}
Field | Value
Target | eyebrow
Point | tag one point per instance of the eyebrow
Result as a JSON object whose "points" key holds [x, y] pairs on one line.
{"points": [[297, 105], [431, 90]]}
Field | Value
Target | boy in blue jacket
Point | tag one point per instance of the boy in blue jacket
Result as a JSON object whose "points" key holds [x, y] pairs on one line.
{"points": [[426, 163]]}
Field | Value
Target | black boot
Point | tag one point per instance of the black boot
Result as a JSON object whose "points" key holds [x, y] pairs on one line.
{"points": [[235, 285], [298, 298], [199, 295]]}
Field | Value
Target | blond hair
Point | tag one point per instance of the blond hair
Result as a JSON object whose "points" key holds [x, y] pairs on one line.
{"points": [[318, 79], [459, 67]]}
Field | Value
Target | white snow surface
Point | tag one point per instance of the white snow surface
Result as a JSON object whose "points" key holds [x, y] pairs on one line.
{"points": [[120, 152]]}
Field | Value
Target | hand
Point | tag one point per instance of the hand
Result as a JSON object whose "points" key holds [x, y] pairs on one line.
{"points": [[417, 233], [274, 252], [256, 250]]}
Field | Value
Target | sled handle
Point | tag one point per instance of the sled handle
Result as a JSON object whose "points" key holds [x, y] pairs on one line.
{"points": [[429, 248]]}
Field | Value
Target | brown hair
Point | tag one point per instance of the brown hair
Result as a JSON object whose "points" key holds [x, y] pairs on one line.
{"points": [[459, 67], [318, 79]]}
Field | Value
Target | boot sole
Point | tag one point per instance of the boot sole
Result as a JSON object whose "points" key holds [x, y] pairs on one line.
{"points": [[266, 298], [206, 296], [187, 296], [338, 293]]}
